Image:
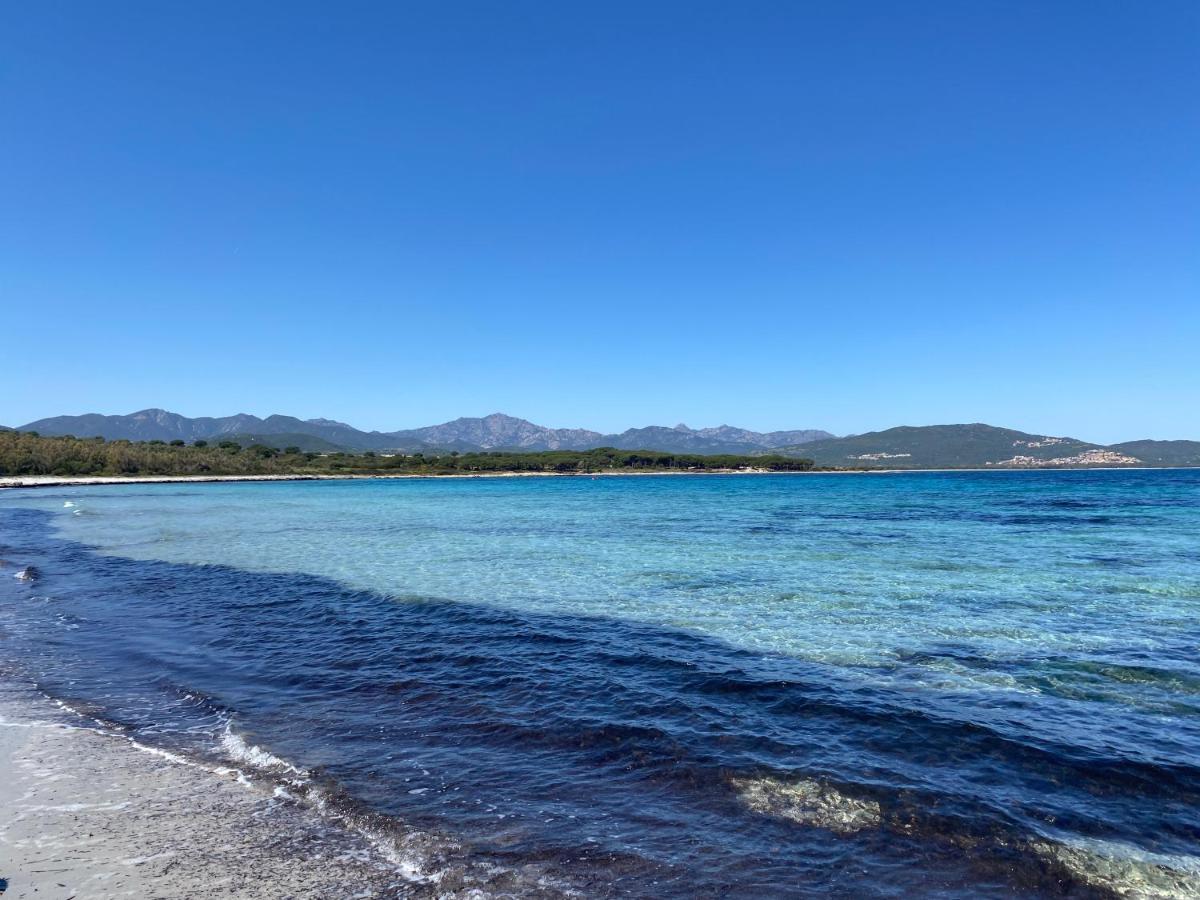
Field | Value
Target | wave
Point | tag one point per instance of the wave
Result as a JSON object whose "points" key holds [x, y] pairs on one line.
{"points": [[420, 857], [413, 854], [423, 859], [252, 765], [240, 750]]}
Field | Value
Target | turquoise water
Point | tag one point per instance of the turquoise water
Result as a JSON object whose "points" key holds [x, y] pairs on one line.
{"points": [[1046, 622], [839, 569]]}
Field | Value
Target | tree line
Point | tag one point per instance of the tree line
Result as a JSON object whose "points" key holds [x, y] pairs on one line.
{"points": [[27, 453]]}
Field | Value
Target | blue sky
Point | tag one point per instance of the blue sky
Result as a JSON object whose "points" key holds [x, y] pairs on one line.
{"points": [[776, 215]]}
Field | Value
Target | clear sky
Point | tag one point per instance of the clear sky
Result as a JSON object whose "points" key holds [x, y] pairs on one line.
{"points": [[844, 215]]}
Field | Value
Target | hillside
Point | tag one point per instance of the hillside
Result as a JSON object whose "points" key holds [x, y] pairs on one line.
{"points": [[497, 431], [24, 454], [305, 443], [724, 439], [494, 432], [161, 425], [730, 435], [1162, 453], [906, 447], [960, 446]]}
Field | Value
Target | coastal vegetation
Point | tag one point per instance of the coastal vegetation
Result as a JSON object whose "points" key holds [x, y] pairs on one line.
{"points": [[30, 454]]}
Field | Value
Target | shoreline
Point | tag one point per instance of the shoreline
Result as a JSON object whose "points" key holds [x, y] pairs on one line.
{"points": [[16, 482], [90, 813]]}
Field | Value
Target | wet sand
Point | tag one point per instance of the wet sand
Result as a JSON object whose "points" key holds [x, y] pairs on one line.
{"points": [[88, 814]]}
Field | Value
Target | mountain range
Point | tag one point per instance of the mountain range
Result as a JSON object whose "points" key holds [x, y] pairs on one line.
{"points": [[494, 432], [906, 447]]}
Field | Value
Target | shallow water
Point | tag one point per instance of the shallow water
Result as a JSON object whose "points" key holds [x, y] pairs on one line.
{"points": [[890, 685]]}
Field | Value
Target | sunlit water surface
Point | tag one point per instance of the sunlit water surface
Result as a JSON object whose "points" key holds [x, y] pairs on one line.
{"points": [[885, 685]]}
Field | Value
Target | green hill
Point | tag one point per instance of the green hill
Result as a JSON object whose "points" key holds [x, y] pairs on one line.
{"points": [[940, 447], [1162, 453], [307, 443]]}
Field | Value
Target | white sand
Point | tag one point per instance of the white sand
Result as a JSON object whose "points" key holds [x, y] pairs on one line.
{"points": [[19, 481], [88, 814], [34, 481]]}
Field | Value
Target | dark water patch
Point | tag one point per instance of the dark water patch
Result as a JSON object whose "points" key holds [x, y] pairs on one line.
{"points": [[626, 758], [1110, 561], [951, 514], [1045, 519]]}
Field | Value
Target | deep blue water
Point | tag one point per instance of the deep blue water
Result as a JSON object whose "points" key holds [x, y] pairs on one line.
{"points": [[930, 684]]}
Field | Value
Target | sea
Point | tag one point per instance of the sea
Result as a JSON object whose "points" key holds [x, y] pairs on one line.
{"points": [[928, 684]]}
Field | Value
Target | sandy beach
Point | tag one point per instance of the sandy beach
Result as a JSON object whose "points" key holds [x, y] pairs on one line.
{"points": [[88, 814], [36, 481], [33, 481], [50, 481], [91, 813]]}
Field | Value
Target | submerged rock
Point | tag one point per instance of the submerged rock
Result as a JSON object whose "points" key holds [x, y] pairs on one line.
{"points": [[809, 802]]}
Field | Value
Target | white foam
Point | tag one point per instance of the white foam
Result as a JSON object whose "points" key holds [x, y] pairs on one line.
{"points": [[234, 745], [166, 754], [413, 856], [409, 862], [410, 855]]}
